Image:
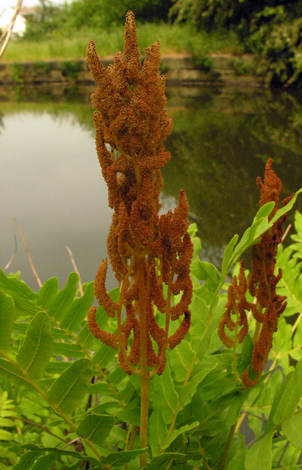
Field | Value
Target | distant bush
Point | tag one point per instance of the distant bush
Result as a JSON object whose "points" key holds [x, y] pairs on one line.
{"points": [[278, 44]]}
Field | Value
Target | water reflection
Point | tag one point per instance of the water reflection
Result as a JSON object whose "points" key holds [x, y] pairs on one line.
{"points": [[52, 184]]}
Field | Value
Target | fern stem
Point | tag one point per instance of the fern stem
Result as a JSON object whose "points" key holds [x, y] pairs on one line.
{"points": [[223, 461], [144, 375]]}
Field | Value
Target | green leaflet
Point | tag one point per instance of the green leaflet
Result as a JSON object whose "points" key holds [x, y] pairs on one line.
{"points": [[67, 349], [227, 256], [177, 432], [259, 455], [12, 373], [86, 339], [202, 329], [158, 462], [103, 356], [96, 428], [70, 388], [45, 462], [189, 390], [291, 396], [6, 435], [26, 461], [236, 402], [36, 349], [278, 394], [264, 211], [78, 310], [164, 388], [118, 459], [7, 314], [37, 451], [247, 351], [23, 296], [292, 429], [181, 360], [286, 208], [260, 225], [64, 298], [206, 272], [130, 415], [158, 432], [47, 292]]}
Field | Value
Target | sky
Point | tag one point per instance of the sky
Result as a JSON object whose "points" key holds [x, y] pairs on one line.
{"points": [[26, 3]]}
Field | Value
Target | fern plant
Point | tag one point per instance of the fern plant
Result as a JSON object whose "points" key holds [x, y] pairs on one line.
{"points": [[99, 394]]}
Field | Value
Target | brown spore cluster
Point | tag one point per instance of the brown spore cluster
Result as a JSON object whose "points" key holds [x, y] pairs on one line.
{"points": [[261, 284], [149, 254]]}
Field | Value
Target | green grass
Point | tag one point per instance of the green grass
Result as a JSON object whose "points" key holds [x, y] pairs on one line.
{"points": [[174, 39]]}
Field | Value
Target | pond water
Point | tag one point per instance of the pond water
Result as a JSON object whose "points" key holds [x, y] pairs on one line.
{"points": [[52, 184]]}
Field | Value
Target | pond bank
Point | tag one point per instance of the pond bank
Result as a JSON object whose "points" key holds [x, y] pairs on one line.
{"points": [[213, 70]]}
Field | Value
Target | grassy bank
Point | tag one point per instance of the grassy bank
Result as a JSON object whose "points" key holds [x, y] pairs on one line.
{"points": [[174, 39]]}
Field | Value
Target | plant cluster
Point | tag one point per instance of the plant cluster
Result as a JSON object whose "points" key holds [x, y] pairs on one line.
{"points": [[143, 380], [279, 45]]}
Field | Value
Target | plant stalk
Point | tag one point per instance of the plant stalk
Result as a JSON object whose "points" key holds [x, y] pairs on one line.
{"points": [[144, 375], [222, 464]]}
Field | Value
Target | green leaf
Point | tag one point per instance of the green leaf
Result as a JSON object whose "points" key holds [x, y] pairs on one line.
{"points": [[47, 292], [278, 394], [181, 359], [46, 462], [236, 403], [264, 211], [12, 373], [164, 388], [292, 429], [67, 349], [177, 432], [247, 351], [158, 462], [249, 237], [189, 390], [7, 314], [158, 432], [103, 356], [96, 428], [227, 256], [76, 455], [118, 459], [6, 435], [130, 415], [206, 272], [286, 208], [259, 455], [64, 298], [202, 328], [26, 461], [23, 296], [36, 349], [78, 310], [291, 396], [70, 388]]}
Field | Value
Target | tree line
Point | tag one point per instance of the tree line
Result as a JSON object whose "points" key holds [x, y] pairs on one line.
{"points": [[271, 29]]}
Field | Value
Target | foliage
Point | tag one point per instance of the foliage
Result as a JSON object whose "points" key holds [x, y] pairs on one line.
{"points": [[279, 45], [66, 403], [271, 29], [62, 20], [229, 13], [60, 383]]}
